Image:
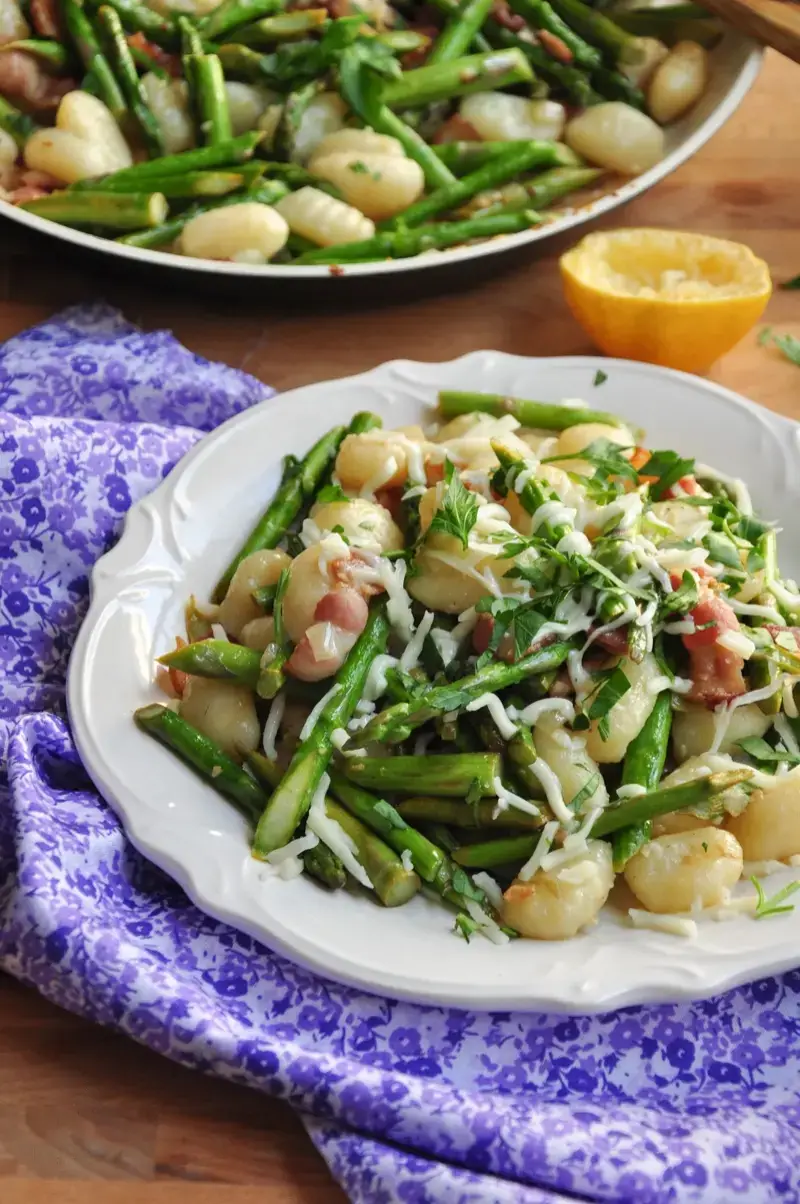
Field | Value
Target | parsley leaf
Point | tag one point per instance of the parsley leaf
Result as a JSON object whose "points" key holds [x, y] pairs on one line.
{"points": [[463, 884], [722, 549], [793, 283], [526, 623], [586, 791], [759, 750], [751, 529], [661, 657], [606, 458], [388, 813], [331, 493], [458, 512], [600, 377], [465, 926], [668, 468], [789, 346], [613, 685], [774, 906], [684, 598], [277, 608]]}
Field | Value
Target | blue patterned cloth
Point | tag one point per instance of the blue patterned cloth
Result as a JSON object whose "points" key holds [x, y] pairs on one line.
{"points": [[408, 1104]]}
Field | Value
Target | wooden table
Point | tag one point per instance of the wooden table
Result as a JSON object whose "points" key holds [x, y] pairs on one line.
{"points": [[80, 1104]]}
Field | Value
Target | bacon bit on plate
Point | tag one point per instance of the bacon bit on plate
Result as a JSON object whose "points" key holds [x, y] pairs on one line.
{"points": [[46, 19], [716, 675], [391, 500], [555, 47], [162, 58], [455, 129], [615, 642], [23, 78], [504, 16]]}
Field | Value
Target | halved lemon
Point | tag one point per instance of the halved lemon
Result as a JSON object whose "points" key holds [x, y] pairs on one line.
{"points": [[665, 296]]}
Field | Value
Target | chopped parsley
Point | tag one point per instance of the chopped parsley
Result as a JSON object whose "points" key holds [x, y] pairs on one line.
{"points": [[777, 904], [759, 750], [277, 608], [684, 598], [586, 791], [331, 493], [668, 468], [600, 377], [465, 926], [458, 512], [605, 457], [613, 686], [789, 346], [793, 283]]}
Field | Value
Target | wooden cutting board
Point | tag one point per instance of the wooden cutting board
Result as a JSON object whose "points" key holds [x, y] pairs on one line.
{"points": [[773, 22]]}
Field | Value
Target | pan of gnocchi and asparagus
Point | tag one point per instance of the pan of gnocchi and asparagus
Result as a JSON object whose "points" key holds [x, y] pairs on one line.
{"points": [[303, 134], [515, 661]]}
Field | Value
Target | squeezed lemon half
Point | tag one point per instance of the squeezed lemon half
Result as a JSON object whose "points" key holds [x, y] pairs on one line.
{"points": [[665, 296]]}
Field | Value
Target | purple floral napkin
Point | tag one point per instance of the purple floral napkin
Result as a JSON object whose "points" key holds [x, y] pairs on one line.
{"points": [[408, 1104]]}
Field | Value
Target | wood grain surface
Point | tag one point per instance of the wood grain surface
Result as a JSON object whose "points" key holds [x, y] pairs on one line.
{"points": [[87, 1117]]}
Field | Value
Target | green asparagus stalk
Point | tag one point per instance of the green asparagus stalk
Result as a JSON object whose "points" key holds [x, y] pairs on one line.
{"points": [[200, 183], [123, 211], [268, 773], [284, 141], [452, 776], [465, 157], [395, 724], [543, 415], [459, 77], [665, 801], [490, 854], [267, 192], [428, 860], [323, 864], [600, 30], [643, 766], [533, 495], [191, 42], [286, 27], [542, 16], [294, 491], [451, 9], [461, 28], [93, 59], [144, 62], [209, 98], [204, 756], [19, 125], [394, 884], [572, 81], [672, 23], [156, 27], [540, 192], [271, 677], [616, 86], [497, 171], [402, 41], [54, 55], [425, 809], [216, 658], [402, 243], [264, 597], [292, 798], [295, 176], [233, 13], [241, 62], [227, 155], [128, 77], [362, 91]]}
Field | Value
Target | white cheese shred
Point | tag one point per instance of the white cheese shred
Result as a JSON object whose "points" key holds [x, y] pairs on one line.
{"points": [[486, 925], [334, 836], [540, 852], [271, 727], [294, 848], [507, 798], [318, 708], [552, 791], [413, 649], [675, 925], [490, 888], [494, 706]]}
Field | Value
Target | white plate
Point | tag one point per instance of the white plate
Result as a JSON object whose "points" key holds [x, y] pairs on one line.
{"points": [[735, 65], [178, 540]]}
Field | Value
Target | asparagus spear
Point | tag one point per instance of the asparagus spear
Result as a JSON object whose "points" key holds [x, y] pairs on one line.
{"points": [[128, 78], [643, 766], [437, 774], [616, 86], [401, 41], [296, 176], [323, 864], [233, 13], [93, 59], [672, 23], [19, 125], [430, 862], [542, 16], [533, 495], [573, 81], [204, 756], [145, 62], [286, 27], [271, 678], [226, 155], [394, 724], [458, 77], [540, 192], [199, 183], [451, 9], [465, 157], [393, 883], [402, 243], [460, 30], [497, 171], [424, 809], [543, 415], [667, 800], [361, 89], [156, 27], [54, 55], [292, 798], [490, 854], [600, 30], [294, 490], [123, 211], [266, 193], [216, 658], [209, 98], [191, 42]]}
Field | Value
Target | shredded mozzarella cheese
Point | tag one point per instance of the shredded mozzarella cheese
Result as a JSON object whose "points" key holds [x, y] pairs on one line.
{"points": [[736, 642], [574, 543], [741, 495], [411, 654], [540, 852], [552, 791], [317, 710], [407, 860], [498, 713], [486, 925], [375, 684], [294, 848], [507, 798], [462, 565], [273, 724], [333, 835], [725, 710], [490, 888], [532, 713], [633, 790], [384, 473], [675, 925]]}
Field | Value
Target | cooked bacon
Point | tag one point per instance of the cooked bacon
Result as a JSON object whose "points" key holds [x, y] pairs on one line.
{"points": [[23, 78], [455, 129], [415, 58], [162, 58], [345, 608], [775, 630], [391, 500], [714, 610], [716, 675], [555, 47], [482, 634], [504, 16], [343, 573], [25, 193], [615, 642], [46, 19]]}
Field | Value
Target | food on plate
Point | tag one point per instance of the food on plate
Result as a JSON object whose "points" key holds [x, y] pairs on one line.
{"points": [[506, 656], [258, 131], [665, 296]]}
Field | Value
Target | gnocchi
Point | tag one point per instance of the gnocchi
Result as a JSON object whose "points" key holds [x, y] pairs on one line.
{"points": [[225, 712], [323, 219], [769, 828], [380, 186], [628, 716], [616, 136], [500, 117], [238, 607], [227, 233], [555, 905], [686, 870]]}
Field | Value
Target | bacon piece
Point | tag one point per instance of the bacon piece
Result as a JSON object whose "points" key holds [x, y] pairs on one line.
{"points": [[46, 19], [415, 58], [710, 609], [345, 572], [455, 129], [345, 608], [391, 500], [504, 16], [615, 642], [716, 675], [482, 633], [555, 47], [22, 78], [162, 58]]}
